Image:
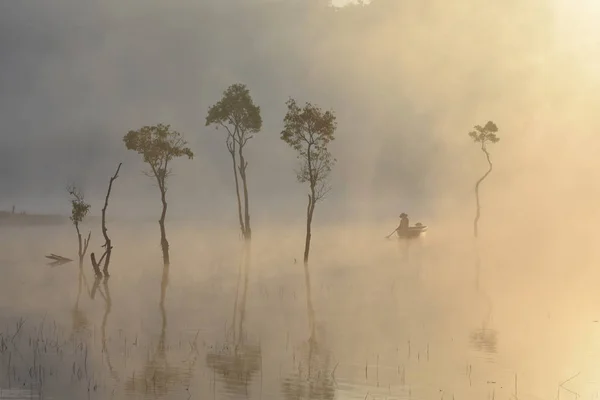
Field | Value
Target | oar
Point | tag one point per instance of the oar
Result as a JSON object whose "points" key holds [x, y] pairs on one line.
{"points": [[388, 236]]}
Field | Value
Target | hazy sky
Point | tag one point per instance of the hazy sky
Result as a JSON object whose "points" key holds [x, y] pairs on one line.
{"points": [[406, 79]]}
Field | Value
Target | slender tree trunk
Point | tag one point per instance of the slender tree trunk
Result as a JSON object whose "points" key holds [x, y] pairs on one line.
{"points": [[237, 189], [478, 212], [243, 165], [164, 244], [309, 216], [80, 251], [311, 203]]}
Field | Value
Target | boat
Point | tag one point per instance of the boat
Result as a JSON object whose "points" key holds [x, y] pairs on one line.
{"points": [[413, 232]]}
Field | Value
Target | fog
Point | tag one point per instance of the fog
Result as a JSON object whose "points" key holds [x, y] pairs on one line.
{"points": [[407, 81]]}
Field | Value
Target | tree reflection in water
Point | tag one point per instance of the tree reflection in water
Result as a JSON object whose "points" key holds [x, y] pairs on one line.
{"points": [[313, 378], [237, 360], [158, 377], [105, 293], [80, 322], [484, 339]]}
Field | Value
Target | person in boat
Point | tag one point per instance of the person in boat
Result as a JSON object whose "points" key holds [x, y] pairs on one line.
{"points": [[403, 227]]}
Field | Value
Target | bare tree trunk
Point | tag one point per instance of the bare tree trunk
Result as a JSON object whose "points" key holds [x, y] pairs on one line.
{"points": [[96, 265], [164, 243], [107, 241], [82, 246], [478, 212], [243, 165], [309, 216]]}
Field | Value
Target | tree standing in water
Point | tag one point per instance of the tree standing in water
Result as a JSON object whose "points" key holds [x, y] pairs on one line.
{"points": [[108, 247], [159, 145], [308, 130], [79, 210], [483, 135], [237, 113]]}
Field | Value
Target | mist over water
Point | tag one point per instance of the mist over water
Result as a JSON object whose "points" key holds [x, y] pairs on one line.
{"points": [[390, 320], [513, 314]]}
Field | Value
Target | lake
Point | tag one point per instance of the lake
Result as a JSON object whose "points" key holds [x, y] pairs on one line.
{"points": [[368, 318]]}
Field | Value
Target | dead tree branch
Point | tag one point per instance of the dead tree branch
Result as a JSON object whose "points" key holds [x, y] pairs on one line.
{"points": [[107, 242]]}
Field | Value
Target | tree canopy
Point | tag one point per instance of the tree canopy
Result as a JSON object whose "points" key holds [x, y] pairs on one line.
{"points": [[485, 134], [309, 130], [237, 109], [158, 146]]}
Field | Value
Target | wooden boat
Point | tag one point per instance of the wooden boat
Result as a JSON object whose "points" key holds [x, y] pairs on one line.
{"points": [[412, 232]]}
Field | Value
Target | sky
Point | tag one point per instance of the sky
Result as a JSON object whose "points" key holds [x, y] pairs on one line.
{"points": [[407, 81]]}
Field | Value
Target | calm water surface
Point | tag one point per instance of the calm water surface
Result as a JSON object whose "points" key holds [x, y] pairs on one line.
{"points": [[368, 319]]}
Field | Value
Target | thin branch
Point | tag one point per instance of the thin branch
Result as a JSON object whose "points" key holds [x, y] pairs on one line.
{"points": [[103, 255]]}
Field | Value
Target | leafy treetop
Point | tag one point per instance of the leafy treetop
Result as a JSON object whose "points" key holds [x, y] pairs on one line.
{"points": [[158, 145], [485, 134], [308, 130], [237, 109]]}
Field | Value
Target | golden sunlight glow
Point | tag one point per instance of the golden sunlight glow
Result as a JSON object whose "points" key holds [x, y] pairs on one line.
{"points": [[577, 36], [342, 3], [578, 21]]}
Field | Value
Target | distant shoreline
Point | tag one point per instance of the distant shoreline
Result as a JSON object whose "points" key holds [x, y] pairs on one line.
{"points": [[8, 218]]}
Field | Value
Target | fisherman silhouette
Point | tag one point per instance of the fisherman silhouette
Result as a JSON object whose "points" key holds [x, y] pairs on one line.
{"points": [[403, 227]]}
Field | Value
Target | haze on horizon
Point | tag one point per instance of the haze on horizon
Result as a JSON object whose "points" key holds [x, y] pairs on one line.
{"points": [[407, 81]]}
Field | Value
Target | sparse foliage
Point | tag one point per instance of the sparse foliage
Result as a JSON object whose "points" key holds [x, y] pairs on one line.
{"points": [[483, 135], [309, 130], [79, 210], [240, 117], [159, 145]]}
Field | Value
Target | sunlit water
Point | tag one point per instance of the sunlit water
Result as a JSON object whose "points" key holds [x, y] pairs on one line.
{"points": [[373, 319]]}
